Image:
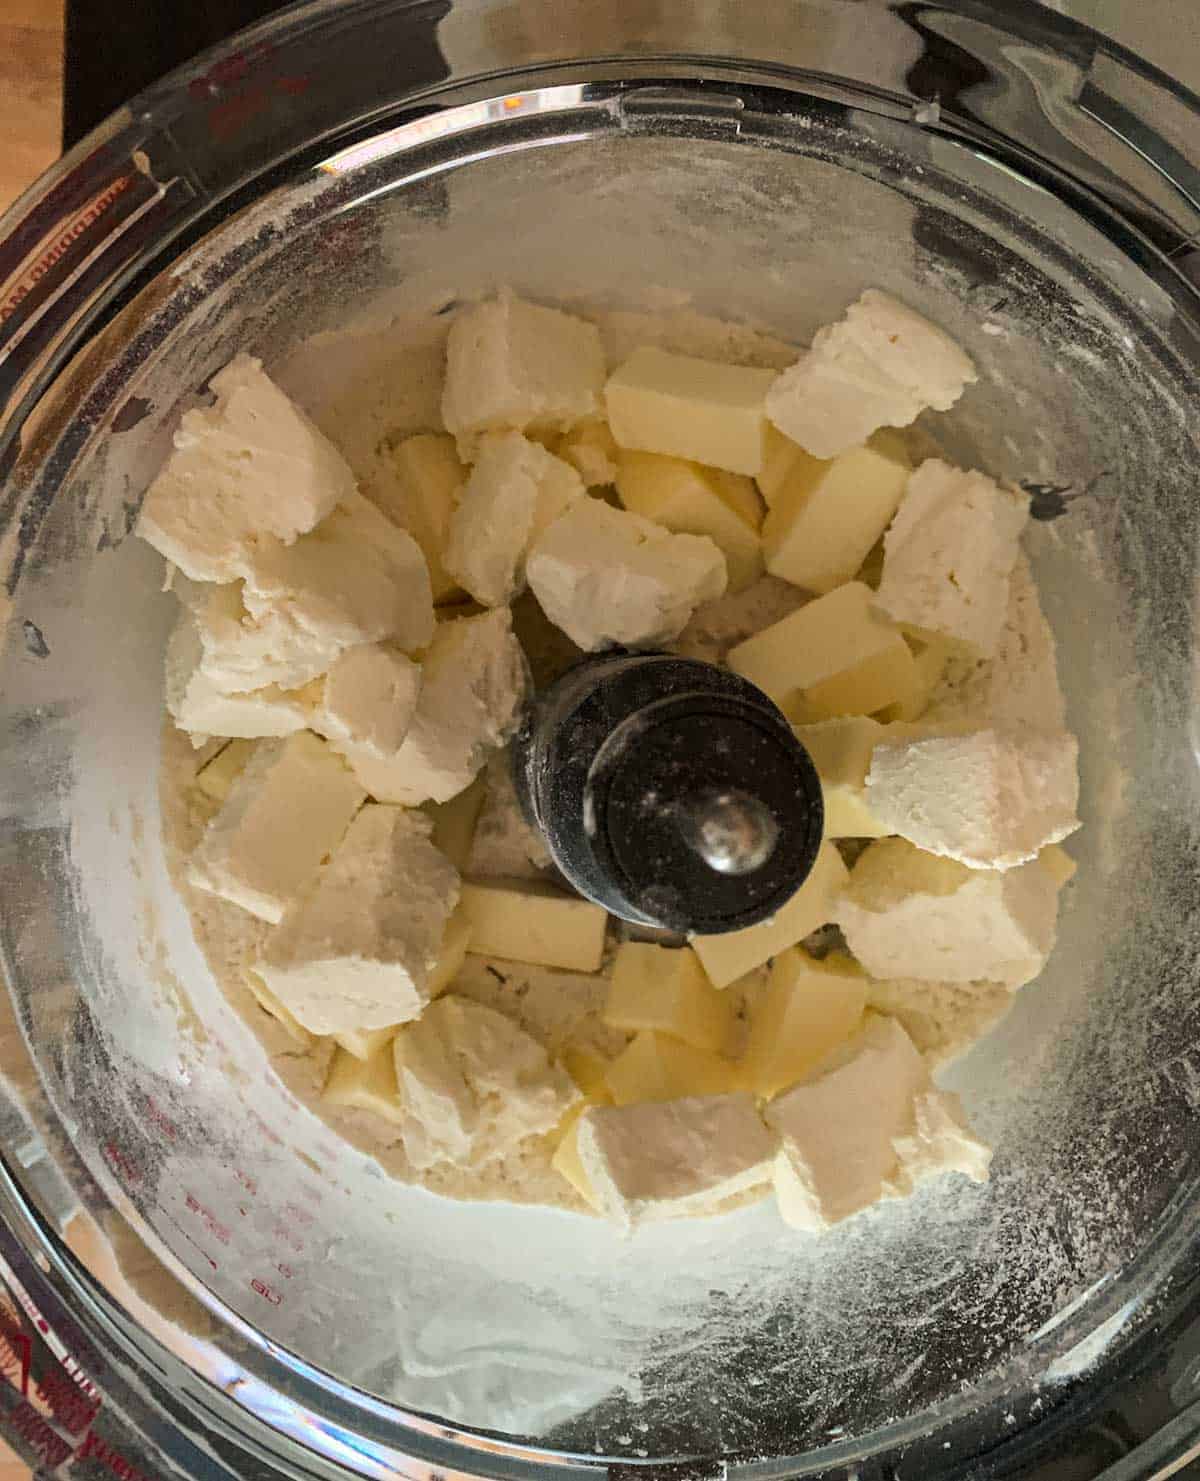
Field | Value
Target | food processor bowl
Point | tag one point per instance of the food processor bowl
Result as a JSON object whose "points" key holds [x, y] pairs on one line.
{"points": [[321, 192]]}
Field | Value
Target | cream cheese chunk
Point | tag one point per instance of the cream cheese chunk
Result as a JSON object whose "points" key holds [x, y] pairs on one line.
{"points": [[287, 810], [356, 578], [673, 1159], [517, 365], [607, 577], [949, 555], [879, 366], [837, 1128], [357, 950], [199, 707], [240, 653], [368, 701], [473, 683], [474, 1085], [514, 492], [989, 799], [250, 467], [907, 913]]}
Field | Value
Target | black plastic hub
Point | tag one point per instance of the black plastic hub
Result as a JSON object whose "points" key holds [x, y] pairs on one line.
{"points": [[672, 792]]}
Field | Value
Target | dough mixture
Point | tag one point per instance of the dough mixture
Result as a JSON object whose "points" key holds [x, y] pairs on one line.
{"points": [[354, 649]]}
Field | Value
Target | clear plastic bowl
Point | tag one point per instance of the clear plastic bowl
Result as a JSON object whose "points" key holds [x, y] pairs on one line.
{"points": [[1028, 186]]}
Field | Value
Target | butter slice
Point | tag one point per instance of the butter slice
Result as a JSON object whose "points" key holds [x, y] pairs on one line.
{"points": [[365, 1084], [782, 456], [673, 1159], [365, 1043], [841, 751], [270, 1004], [524, 922], [288, 810], [217, 778], [428, 483], [1059, 864], [691, 499], [665, 989], [454, 822], [589, 1071], [730, 956], [456, 942], [658, 1067], [807, 1009], [567, 1162], [591, 450], [835, 656], [701, 410], [827, 515]]}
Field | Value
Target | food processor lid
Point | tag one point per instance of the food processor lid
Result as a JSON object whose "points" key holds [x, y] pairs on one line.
{"points": [[1045, 99]]}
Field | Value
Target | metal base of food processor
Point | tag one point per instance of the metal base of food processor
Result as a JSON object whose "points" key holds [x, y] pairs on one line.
{"points": [[268, 166]]}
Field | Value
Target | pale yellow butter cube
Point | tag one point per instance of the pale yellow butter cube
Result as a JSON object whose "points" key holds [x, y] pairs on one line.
{"points": [[841, 752], [428, 481], [665, 989], [589, 1071], [836, 655], [885, 680], [657, 1067], [218, 777], [727, 957], [269, 1003], [525, 922], [456, 943], [808, 1008], [702, 410], [690, 499], [1059, 864], [365, 1084], [781, 457], [566, 1160], [930, 659], [826, 516], [454, 822], [365, 1043], [591, 450]]}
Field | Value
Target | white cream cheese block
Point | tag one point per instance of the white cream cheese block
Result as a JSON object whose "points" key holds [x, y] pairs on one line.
{"points": [[879, 366], [357, 950], [250, 466], [607, 577]]}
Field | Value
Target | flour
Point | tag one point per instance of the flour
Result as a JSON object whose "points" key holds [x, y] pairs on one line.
{"points": [[369, 386]]}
